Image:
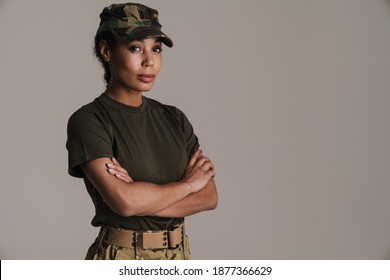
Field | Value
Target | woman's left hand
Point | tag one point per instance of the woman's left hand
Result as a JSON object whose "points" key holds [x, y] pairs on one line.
{"points": [[118, 171]]}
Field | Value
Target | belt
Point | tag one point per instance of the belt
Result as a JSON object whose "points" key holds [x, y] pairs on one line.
{"points": [[156, 239]]}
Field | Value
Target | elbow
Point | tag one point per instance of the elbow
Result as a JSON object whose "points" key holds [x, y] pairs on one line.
{"points": [[213, 198], [126, 209], [213, 202], [214, 206], [122, 210], [132, 209]]}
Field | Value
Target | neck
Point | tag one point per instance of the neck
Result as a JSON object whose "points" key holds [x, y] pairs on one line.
{"points": [[123, 95]]}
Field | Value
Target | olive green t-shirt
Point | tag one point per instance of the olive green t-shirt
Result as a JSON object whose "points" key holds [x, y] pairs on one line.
{"points": [[152, 142]]}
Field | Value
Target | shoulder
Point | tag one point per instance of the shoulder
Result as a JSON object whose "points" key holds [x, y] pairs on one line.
{"points": [[84, 111], [174, 113], [88, 116], [170, 109], [90, 108]]}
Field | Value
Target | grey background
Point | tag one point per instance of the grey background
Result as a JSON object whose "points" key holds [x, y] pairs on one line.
{"points": [[289, 98]]}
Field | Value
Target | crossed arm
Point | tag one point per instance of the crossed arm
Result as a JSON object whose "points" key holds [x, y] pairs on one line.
{"points": [[205, 199], [196, 192]]}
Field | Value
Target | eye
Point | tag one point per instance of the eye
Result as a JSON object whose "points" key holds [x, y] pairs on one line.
{"points": [[157, 49], [135, 49]]}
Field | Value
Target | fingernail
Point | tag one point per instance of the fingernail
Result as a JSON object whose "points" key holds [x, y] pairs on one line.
{"points": [[111, 170], [117, 175], [109, 165]]}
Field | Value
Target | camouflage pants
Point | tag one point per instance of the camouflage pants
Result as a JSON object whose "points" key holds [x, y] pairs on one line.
{"points": [[100, 250]]}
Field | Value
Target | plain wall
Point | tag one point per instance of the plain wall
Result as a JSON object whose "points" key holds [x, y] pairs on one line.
{"points": [[290, 99]]}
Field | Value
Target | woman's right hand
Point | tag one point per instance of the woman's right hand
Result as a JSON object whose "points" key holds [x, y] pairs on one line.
{"points": [[199, 171]]}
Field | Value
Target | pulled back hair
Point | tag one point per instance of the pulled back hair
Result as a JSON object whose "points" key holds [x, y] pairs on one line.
{"points": [[111, 42]]}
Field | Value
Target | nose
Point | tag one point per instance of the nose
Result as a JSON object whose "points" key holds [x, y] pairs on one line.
{"points": [[147, 59]]}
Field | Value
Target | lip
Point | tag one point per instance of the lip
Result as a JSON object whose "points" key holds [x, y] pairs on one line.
{"points": [[146, 78]]}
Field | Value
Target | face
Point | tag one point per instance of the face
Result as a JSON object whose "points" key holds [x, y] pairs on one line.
{"points": [[135, 65]]}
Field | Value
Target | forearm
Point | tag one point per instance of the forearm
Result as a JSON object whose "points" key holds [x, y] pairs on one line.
{"points": [[128, 198], [136, 198], [205, 199], [145, 199]]}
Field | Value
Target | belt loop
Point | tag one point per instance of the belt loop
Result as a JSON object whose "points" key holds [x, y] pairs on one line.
{"points": [[139, 250]]}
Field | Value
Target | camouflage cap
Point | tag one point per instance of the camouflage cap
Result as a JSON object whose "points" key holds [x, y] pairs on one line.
{"points": [[132, 21]]}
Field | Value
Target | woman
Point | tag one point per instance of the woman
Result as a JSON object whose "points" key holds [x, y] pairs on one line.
{"points": [[162, 176]]}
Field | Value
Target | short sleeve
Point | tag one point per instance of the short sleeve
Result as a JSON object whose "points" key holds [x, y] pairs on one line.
{"points": [[88, 139], [191, 138]]}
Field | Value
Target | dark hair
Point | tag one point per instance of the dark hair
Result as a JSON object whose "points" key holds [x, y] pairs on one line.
{"points": [[111, 42]]}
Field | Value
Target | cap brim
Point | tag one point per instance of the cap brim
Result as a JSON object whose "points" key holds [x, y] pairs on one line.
{"points": [[142, 33]]}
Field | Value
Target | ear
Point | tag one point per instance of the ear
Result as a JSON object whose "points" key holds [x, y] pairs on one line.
{"points": [[105, 50]]}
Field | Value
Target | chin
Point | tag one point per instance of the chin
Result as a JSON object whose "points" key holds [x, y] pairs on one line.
{"points": [[140, 88], [147, 87]]}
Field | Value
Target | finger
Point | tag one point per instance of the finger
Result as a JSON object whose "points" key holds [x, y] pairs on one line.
{"points": [[206, 160], [115, 161], [117, 168], [122, 170], [201, 160], [114, 171], [211, 173], [121, 174], [194, 157], [126, 179], [207, 166]]}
